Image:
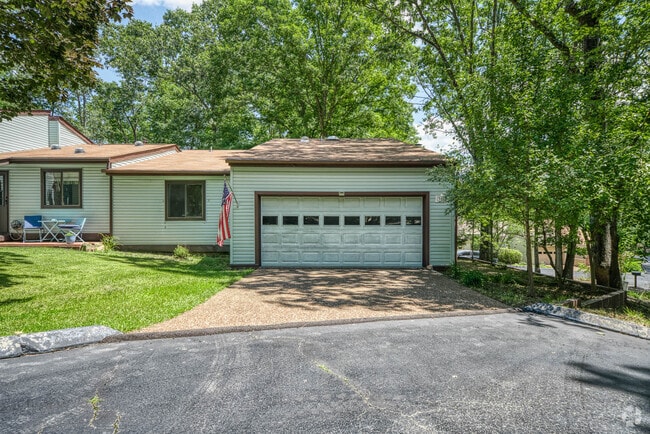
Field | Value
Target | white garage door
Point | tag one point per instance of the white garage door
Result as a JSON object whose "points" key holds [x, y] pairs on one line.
{"points": [[341, 231]]}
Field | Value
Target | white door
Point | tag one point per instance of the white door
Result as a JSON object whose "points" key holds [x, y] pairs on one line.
{"points": [[341, 231]]}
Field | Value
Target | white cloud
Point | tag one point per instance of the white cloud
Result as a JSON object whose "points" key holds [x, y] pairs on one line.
{"points": [[169, 4], [443, 141]]}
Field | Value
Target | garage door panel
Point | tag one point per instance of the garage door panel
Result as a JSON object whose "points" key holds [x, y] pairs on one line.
{"points": [[370, 239], [393, 257], [311, 239], [351, 258], [372, 258], [311, 257], [290, 257], [393, 239], [363, 237], [270, 238], [331, 258], [331, 239], [353, 239], [289, 239], [270, 257]]}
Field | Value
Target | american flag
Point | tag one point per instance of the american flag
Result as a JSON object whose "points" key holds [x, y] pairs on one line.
{"points": [[224, 228]]}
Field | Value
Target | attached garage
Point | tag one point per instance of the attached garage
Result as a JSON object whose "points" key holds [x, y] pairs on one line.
{"points": [[339, 204], [347, 231]]}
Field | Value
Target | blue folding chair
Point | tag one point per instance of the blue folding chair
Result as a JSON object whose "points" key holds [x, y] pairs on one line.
{"points": [[31, 224]]}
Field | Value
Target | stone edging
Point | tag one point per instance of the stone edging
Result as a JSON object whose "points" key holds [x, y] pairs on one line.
{"points": [[604, 322]]}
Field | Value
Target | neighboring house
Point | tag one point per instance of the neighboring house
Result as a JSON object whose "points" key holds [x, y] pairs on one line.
{"points": [[318, 203], [38, 130], [339, 203]]}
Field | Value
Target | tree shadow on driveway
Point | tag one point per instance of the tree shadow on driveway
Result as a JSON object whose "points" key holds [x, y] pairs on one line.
{"points": [[404, 290]]}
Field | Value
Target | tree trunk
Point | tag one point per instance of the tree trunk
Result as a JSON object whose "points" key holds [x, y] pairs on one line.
{"points": [[529, 255], [570, 253], [485, 250], [605, 252], [538, 269]]}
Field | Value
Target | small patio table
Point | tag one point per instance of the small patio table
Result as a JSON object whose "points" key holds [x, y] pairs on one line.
{"points": [[52, 230]]}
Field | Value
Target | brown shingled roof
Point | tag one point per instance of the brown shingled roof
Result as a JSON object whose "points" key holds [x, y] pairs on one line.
{"points": [[91, 153], [192, 162], [338, 152]]}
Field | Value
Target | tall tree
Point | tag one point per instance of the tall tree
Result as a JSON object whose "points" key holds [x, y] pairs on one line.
{"points": [[541, 99], [48, 48], [232, 73]]}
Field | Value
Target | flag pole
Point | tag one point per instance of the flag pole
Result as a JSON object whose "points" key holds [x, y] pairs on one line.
{"points": [[225, 179]]}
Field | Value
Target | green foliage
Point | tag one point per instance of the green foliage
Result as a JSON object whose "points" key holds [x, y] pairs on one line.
{"points": [[509, 256], [550, 108], [472, 278], [125, 291], [234, 73], [630, 263], [109, 242], [181, 252], [48, 48], [454, 271], [503, 278]]}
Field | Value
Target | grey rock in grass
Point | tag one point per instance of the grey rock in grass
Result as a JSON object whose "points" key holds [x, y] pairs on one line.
{"points": [[10, 347], [590, 319], [13, 346]]}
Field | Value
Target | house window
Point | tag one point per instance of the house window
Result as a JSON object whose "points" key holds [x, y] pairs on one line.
{"points": [[61, 188], [185, 200], [311, 220]]}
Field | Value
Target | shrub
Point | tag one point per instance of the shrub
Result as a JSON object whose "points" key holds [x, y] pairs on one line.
{"points": [[454, 271], [109, 242], [509, 256], [472, 278], [506, 278], [181, 252]]}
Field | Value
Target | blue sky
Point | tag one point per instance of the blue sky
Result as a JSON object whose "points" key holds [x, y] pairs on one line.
{"points": [[153, 11]]}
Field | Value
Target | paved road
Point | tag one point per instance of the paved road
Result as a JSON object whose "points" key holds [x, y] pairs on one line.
{"points": [[490, 373]]}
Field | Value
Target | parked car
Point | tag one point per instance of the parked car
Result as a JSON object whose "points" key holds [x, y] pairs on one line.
{"points": [[467, 254]]}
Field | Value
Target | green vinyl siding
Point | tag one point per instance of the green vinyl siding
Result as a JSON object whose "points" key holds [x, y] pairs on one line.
{"points": [[25, 194], [247, 180], [24, 132], [139, 212]]}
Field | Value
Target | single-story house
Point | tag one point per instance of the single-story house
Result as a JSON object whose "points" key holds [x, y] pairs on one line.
{"points": [[298, 202]]}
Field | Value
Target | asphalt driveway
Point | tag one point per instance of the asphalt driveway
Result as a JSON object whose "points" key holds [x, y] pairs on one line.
{"points": [[282, 296]]}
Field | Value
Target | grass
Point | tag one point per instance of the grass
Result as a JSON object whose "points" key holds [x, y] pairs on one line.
{"points": [[50, 288], [511, 287]]}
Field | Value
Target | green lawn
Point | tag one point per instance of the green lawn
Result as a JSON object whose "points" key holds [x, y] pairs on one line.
{"points": [[52, 288]]}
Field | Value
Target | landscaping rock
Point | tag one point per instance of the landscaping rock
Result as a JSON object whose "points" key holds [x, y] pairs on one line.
{"points": [[10, 347], [590, 319], [13, 346]]}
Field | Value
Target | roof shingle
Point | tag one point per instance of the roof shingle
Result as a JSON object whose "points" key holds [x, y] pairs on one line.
{"points": [[338, 152]]}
